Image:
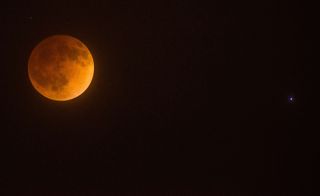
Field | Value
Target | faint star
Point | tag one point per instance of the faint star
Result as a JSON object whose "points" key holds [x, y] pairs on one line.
{"points": [[291, 99]]}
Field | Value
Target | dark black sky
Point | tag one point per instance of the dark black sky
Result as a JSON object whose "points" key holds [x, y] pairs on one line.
{"points": [[187, 97]]}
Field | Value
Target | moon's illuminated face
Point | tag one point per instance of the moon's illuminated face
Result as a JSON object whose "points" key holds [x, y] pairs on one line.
{"points": [[60, 67]]}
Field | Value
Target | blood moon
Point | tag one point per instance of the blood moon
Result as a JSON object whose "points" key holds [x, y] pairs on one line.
{"points": [[60, 67]]}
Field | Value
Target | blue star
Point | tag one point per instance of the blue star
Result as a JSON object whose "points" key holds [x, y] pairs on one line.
{"points": [[291, 99]]}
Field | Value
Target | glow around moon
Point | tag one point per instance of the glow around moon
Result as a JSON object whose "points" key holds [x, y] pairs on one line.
{"points": [[60, 67]]}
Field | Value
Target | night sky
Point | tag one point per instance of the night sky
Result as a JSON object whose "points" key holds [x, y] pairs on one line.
{"points": [[194, 98]]}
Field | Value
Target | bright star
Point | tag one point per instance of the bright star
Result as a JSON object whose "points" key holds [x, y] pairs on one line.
{"points": [[291, 99]]}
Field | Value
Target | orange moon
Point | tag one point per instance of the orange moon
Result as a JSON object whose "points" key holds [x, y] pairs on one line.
{"points": [[60, 67]]}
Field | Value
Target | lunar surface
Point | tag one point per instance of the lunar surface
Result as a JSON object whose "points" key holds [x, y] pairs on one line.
{"points": [[60, 67]]}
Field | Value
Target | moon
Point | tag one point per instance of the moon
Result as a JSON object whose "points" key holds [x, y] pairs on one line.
{"points": [[60, 67]]}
